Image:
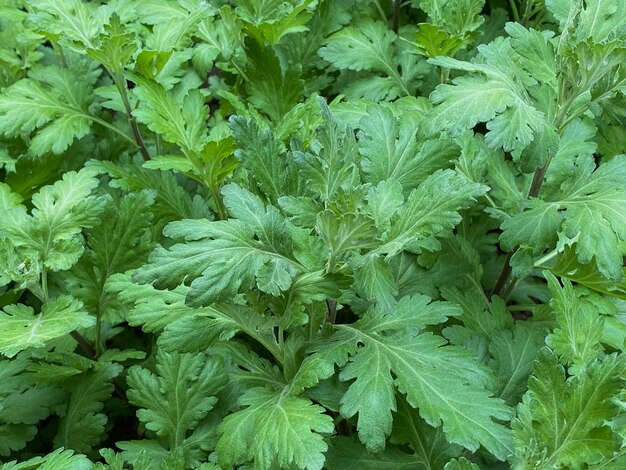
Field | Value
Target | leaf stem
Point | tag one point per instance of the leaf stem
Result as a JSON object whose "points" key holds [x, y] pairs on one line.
{"points": [[110, 126], [527, 11], [547, 257], [514, 10], [44, 283], [445, 73], [383, 15], [120, 83], [219, 203]]}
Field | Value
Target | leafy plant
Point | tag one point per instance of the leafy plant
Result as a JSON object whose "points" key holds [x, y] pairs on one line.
{"points": [[312, 234]]}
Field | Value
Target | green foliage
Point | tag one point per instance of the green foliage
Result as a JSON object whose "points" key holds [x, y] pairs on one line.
{"points": [[312, 234]]}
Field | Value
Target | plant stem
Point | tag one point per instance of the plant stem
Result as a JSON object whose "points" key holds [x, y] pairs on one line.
{"points": [[219, 203], [44, 283], [514, 10], [509, 288], [533, 191], [120, 83], [527, 11], [504, 274], [547, 257], [110, 126], [396, 15], [382, 13], [445, 73], [332, 310], [84, 344]]}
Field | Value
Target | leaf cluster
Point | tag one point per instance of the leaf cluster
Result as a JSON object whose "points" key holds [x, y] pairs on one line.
{"points": [[312, 234]]}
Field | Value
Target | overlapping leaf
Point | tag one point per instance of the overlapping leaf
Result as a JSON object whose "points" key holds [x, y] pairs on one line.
{"points": [[593, 203], [82, 423], [53, 102], [563, 423], [52, 233], [491, 94], [274, 429], [220, 258], [386, 343], [175, 400]]}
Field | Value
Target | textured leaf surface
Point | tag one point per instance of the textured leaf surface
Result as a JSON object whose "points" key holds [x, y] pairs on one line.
{"points": [[567, 419], [44, 103], [390, 345], [274, 429], [431, 209], [22, 329], [82, 424], [222, 257], [173, 402]]}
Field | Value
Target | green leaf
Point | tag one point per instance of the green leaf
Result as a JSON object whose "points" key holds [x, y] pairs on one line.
{"points": [[460, 17], [172, 201], [429, 444], [22, 329], [587, 275], [589, 204], [370, 47], [53, 102], [121, 242], [384, 200], [461, 464], [431, 42], [273, 89], [344, 233], [272, 20], [183, 328], [392, 151], [82, 424], [479, 315], [375, 278], [330, 166], [174, 401], [601, 20], [14, 437], [430, 210], [116, 46], [513, 355], [182, 124], [536, 53], [492, 95], [535, 228], [61, 211], [262, 155], [23, 406], [274, 429], [72, 20], [563, 423], [601, 223], [58, 460], [348, 454], [225, 256], [386, 343], [579, 328]]}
